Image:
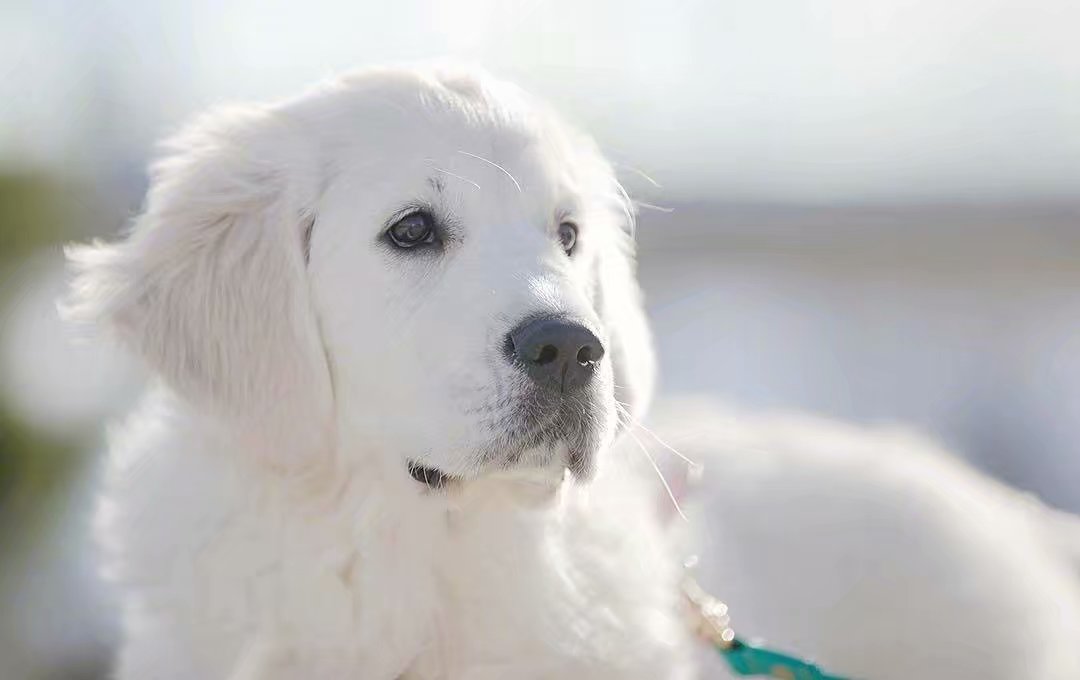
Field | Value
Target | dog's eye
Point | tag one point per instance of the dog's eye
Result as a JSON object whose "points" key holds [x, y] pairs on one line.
{"points": [[412, 230], [568, 236]]}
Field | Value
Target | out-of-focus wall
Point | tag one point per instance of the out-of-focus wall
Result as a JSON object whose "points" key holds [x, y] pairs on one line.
{"points": [[961, 321]]}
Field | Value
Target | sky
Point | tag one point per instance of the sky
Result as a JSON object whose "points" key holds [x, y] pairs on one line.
{"points": [[739, 100]]}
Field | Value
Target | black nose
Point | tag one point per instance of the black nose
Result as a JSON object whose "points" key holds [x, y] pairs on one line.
{"points": [[557, 353]]}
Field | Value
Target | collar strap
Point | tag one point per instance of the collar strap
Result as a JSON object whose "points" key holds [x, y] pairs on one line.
{"points": [[708, 618]]}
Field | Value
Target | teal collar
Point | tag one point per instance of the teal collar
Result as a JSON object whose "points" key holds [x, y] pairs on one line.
{"points": [[710, 621], [747, 659]]}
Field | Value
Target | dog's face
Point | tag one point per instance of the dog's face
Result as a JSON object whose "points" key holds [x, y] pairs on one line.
{"points": [[430, 266]]}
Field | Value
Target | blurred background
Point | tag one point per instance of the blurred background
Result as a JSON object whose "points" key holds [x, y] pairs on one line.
{"points": [[869, 210]]}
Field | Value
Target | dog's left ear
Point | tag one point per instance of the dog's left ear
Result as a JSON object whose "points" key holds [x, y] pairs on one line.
{"points": [[210, 289], [623, 312]]}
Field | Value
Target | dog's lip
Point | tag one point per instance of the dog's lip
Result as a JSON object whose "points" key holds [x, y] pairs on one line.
{"points": [[433, 478]]}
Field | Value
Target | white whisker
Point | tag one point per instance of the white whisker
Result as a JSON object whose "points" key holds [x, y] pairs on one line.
{"points": [[451, 174], [631, 421], [495, 165], [641, 173], [667, 487], [652, 206]]}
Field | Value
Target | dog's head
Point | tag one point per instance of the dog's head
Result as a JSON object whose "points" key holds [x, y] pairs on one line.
{"points": [[427, 265]]}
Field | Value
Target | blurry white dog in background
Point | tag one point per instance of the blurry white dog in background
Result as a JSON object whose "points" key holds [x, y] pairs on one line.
{"points": [[874, 552], [398, 341]]}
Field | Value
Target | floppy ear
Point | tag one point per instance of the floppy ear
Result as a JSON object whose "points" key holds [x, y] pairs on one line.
{"points": [[209, 287], [620, 305]]}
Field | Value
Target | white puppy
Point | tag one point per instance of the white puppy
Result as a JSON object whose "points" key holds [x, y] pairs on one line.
{"points": [[396, 330], [391, 319]]}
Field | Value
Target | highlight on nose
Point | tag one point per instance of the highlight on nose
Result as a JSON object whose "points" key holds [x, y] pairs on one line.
{"points": [[557, 353]]}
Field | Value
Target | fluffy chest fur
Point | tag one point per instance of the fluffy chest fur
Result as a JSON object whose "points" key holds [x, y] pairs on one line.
{"points": [[248, 573]]}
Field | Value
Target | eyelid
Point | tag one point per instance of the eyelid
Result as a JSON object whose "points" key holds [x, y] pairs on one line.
{"points": [[408, 211], [448, 229]]}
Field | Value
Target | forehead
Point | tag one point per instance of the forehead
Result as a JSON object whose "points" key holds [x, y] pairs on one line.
{"points": [[459, 135]]}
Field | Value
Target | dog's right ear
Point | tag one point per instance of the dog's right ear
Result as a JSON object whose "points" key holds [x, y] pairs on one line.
{"points": [[210, 287]]}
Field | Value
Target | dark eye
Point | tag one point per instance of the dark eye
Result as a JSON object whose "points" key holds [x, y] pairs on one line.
{"points": [[412, 230], [568, 236]]}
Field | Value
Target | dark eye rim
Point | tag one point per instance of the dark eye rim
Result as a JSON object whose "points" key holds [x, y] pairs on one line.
{"points": [[430, 235], [569, 250]]}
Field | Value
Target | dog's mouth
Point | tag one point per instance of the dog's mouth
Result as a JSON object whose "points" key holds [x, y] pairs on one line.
{"points": [[429, 476], [572, 459], [565, 436]]}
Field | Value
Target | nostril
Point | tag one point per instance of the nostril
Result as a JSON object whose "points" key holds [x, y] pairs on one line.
{"points": [[548, 353], [590, 354]]}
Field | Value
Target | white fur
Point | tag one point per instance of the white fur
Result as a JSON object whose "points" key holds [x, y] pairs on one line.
{"points": [[876, 553], [259, 517]]}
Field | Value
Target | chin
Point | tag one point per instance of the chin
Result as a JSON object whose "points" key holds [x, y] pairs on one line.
{"points": [[557, 450]]}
